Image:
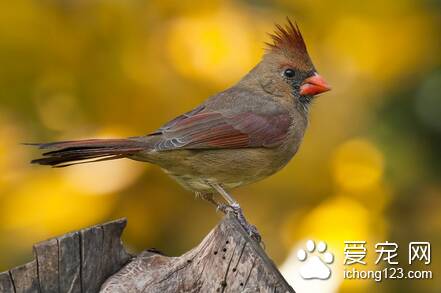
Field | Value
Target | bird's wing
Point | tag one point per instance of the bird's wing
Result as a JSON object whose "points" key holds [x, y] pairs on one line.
{"points": [[201, 129]]}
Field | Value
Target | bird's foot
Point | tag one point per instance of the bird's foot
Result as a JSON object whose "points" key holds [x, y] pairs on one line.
{"points": [[224, 208], [236, 210]]}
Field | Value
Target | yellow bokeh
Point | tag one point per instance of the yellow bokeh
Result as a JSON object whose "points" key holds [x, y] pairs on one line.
{"points": [[335, 220], [357, 164], [104, 178], [217, 47], [42, 208], [372, 45], [12, 157]]}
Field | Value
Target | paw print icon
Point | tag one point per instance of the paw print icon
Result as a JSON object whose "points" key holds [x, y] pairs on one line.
{"points": [[316, 261]]}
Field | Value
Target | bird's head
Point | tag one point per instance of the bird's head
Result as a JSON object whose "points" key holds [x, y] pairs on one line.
{"points": [[287, 69]]}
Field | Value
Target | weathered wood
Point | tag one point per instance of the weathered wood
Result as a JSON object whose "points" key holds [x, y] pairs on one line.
{"points": [[112, 245], [227, 260], [91, 269], [76, 262], [6, 285], [47, 262], [25, 278], [69, 263]]}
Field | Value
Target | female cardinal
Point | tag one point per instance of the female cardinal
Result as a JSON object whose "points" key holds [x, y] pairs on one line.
{"points": [[239, 136]]}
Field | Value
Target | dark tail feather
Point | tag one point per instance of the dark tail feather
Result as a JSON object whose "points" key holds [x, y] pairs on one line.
{"points": [[67, 153]]}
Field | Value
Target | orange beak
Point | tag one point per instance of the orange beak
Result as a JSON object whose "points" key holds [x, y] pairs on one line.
{"points": [[314, 85]]}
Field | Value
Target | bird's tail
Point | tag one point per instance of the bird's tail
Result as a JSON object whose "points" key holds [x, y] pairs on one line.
{"points": [[66, 153]]}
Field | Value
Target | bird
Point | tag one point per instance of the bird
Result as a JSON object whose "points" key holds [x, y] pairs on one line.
{"points": [[236, 137]]}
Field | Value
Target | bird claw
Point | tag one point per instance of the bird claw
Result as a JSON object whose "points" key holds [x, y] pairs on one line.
{"points": [[222, 208], [236, 210], [252, 232]]}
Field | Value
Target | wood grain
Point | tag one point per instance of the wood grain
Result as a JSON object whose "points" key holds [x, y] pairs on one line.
{"points": [[227, 260], [6, 285], [94, 260], [74, 263]]}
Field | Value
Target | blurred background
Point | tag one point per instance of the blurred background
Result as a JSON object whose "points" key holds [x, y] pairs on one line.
{"points": [[369, 167]]}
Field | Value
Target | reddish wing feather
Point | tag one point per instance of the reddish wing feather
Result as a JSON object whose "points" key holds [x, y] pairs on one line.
{"points": [[215, 130]]}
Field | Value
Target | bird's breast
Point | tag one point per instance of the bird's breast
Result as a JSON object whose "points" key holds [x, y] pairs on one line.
{"points": [[230, 167]]}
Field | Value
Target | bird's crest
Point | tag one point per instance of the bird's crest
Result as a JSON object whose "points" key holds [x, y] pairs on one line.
{"points": [[289, 41]]}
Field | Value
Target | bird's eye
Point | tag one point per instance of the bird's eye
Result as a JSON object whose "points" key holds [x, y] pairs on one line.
{"points": [[289, 73]]}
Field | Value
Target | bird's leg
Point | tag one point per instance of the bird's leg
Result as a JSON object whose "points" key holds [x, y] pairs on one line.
{"points": [[228, 198], [208, 196], [235, 208]]}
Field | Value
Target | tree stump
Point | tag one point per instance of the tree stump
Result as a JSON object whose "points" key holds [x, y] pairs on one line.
{"points": [[227, 260], [75, 262]]}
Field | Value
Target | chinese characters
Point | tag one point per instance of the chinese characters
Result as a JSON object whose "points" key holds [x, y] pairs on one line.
{"points": [[387, 252]]}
